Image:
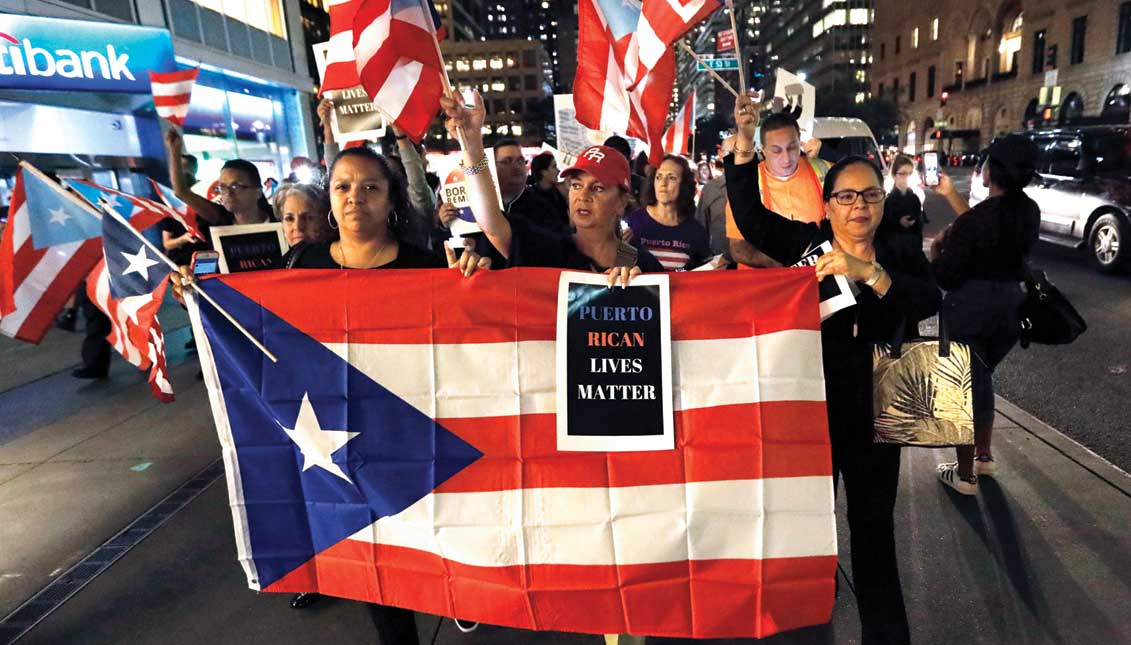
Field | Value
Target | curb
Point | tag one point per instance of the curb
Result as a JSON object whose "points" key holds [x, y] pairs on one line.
{"points": [[1103, 469]]}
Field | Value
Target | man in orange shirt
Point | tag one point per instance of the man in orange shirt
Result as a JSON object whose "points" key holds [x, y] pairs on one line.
{"points": [[790, 186]]}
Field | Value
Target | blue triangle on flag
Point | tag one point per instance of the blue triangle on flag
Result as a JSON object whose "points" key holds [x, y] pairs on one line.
{"points": [[399, 455], [54, 219]]}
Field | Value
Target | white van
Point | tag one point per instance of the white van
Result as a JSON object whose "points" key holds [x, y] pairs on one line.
{"points": [[842, 136]]}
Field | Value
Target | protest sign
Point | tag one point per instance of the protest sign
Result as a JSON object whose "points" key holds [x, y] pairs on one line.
{"points": [[249, 247], [835, 292], [724, 40], [454, 191], [794, 91], [355, 117], [614, 387]]}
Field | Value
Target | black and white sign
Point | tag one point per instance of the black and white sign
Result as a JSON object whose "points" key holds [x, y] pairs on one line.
{"points": [[249, 247], [355, 117], [614, 385], [835, 292]]}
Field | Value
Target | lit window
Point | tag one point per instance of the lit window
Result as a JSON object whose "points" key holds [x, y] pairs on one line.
{"points": [[915, 38], [266, 15], [496, 63], [510, 62], [499, 86], [516, 130], [860, 96], [462, 66], [934, 29], [836, 18], [860, 16], [478, 64]]}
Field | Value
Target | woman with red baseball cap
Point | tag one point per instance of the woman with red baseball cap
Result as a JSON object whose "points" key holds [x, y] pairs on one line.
{"points": [[599, 190]]}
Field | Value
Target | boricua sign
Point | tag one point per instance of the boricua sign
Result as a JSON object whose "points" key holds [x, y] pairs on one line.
{"points": [[614, 383], [58, 54]]}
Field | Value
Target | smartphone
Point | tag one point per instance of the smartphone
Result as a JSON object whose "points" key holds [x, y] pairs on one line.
{"points": [[205, 262], [931, 168]]}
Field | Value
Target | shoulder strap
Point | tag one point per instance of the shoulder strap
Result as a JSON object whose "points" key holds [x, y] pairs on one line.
{"points": [[296, 252]]}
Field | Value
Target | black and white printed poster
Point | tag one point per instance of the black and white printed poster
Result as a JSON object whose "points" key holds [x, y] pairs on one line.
{"points": [[614, 384], [834, 294]]}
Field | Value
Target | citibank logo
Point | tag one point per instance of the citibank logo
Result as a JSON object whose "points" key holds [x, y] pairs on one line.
{"points": [[25, 59]]}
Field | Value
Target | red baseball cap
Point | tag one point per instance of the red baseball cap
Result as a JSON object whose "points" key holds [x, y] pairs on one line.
{"points": [[606, 164]]}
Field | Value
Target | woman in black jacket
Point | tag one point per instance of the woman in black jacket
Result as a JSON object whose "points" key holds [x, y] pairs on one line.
{"points": [[895, 284], [981, 262]]}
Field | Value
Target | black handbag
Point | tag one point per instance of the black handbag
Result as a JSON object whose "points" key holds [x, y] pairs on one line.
{"points": [[1046, 315], [922, 391]]}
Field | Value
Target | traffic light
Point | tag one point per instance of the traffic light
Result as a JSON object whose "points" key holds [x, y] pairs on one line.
{"points": [[1050, 57], [942, 98]]}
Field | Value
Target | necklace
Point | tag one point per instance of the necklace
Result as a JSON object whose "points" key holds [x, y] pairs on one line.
{"points": [[341, 260]]}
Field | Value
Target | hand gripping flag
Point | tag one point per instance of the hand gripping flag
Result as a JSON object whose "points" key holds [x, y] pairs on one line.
{"points": [[129, 286], [398, 61], [146, 211], [675, 138], [608, 91], [49, 245], [172, 92], [403, 451]]}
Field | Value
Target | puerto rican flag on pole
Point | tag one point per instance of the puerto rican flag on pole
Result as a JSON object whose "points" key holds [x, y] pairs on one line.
{"points": [[398, 61], [132, 206], [49, 245], [129, 286], [608, 94], [172, 92], [403, 451], [341, 68], [677, 134]]}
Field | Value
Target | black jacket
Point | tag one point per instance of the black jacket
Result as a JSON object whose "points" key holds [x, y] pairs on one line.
{"points": [[847, 337]]}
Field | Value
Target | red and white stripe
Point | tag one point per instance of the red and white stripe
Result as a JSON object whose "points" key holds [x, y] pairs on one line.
{"points": [[610, 93], [731, 534], [172, 93], [36, 283], [341, 67], [677, 135], [399, 63], [135, 332], [147, 212], [670, 259], [662, 22]]}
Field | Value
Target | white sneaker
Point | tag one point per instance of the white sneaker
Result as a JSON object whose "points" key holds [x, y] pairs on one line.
{"points": [[948, 474], [985, 465]]}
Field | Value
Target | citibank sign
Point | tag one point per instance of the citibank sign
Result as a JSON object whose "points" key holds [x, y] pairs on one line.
{"points": [[53, 54]]}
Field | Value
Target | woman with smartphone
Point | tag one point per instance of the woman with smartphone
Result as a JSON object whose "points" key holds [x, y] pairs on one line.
{"points": [[903, 211]]}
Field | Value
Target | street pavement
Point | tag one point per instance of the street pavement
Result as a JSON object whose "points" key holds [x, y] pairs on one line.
{"points": [[1082, 389]]}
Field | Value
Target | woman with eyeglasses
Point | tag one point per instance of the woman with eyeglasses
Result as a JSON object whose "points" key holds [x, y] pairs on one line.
{"points": [[903, 211], [241, 190], [894, 284]]}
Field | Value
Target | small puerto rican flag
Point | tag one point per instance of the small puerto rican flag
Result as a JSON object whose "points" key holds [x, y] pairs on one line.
{"points": [[172, 92]]}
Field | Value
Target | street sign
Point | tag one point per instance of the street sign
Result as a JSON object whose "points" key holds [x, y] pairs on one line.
{"points": [[1051, 78], [717, 64]]}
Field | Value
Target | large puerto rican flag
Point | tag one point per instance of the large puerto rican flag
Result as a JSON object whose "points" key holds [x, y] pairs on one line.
{"points": [[403, 451]]}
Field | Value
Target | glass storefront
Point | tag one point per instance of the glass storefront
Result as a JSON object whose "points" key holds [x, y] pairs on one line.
{"points": [[232, 116]]}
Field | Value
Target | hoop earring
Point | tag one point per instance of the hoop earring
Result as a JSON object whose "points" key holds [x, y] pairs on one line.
{"points": [[394, 220], [331, 221]]}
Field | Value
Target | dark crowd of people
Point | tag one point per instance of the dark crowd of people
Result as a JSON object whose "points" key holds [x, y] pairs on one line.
{"points": [[766, 203]]}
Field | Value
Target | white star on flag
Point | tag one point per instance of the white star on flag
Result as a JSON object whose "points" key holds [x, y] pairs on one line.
{"points": [[316, 444], [59, 215], [139, 263]]}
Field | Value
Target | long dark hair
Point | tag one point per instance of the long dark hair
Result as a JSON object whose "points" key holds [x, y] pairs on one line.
{"points": [[398, 192], [685, 202], [252, 172], [1017, 208]]}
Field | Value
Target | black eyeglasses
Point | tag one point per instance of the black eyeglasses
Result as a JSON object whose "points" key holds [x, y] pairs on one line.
{"points": [[849, 197]]}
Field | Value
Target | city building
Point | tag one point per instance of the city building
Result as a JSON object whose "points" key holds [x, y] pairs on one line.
{"points": [[509, 75], [825, 40], [963, 72], [251, 99], [552, 23], [462, 19]]}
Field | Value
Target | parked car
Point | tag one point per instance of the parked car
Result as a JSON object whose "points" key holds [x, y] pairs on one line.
{"points": [[841, 136], [1083, 187]]}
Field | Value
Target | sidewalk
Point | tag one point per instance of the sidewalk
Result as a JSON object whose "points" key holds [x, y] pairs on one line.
{"points": [[1041, 555]]}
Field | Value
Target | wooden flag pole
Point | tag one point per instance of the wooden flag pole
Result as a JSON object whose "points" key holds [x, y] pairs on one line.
{"points": [[173, 266], [737, 47], [699, 59]]}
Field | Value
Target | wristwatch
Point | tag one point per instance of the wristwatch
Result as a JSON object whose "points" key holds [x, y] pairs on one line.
{"points": [[877, 273]]}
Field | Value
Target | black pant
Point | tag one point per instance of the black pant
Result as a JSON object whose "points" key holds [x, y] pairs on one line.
{"points": [[871, 477], [395, 626], [95, 347]]}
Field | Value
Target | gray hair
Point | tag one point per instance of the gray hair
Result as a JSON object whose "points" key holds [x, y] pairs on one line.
{"points": [[317, 197]]}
